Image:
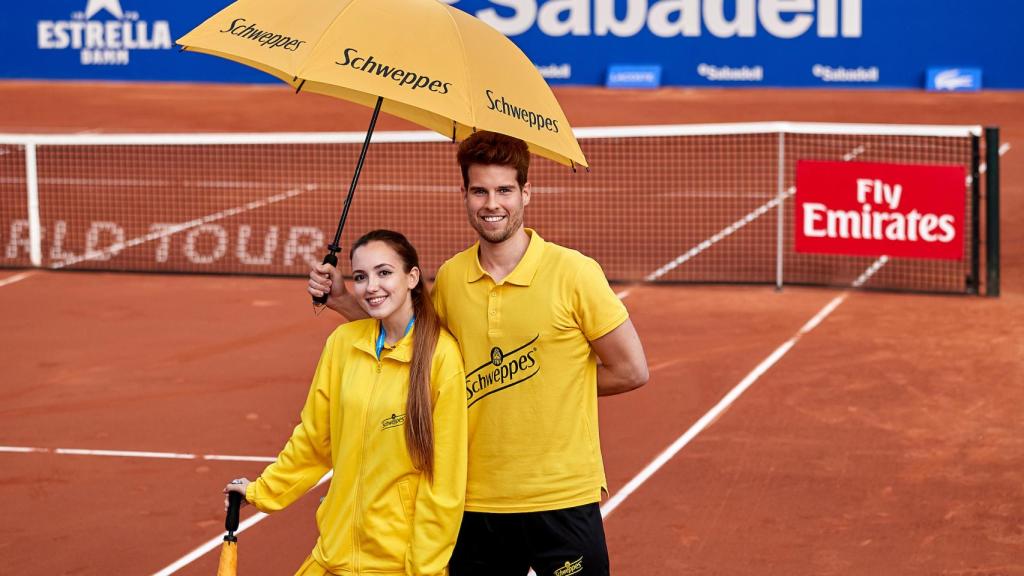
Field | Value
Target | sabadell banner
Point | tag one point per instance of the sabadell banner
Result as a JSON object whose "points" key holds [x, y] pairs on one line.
{"points": [[950, 44]]}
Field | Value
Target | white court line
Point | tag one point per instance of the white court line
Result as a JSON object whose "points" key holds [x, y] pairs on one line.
{"points": [[124, 453], [725, 232], [15, 278], [136, 454], [170, 230], [853, 153], [984, 166], [706, 420], [22, 449], [216, 540], [732, 228]]}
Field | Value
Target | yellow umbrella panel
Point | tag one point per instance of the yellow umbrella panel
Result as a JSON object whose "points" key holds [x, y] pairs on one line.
{"points": [[432, 64]]}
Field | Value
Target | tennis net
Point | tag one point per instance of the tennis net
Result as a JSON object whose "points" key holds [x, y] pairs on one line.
{"points": [[688, 203]]}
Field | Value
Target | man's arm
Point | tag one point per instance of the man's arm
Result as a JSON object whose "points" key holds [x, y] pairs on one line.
{"points": [[326, 279], [623, 364]]}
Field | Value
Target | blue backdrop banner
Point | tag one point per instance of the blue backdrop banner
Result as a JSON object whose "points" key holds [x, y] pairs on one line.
{"points": [[811, 43]]}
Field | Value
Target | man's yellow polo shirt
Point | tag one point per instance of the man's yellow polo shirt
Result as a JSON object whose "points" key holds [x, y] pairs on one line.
{"points": [[531, 375]]}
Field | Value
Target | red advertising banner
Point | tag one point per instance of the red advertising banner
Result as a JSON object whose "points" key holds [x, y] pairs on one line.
{"points": [[872, 209]]}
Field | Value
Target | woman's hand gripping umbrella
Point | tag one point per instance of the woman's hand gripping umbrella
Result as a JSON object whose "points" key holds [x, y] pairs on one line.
{"points": [[228, 565]]}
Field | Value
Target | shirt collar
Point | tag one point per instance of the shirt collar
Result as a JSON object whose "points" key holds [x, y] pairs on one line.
{"points": [[525, 270]]}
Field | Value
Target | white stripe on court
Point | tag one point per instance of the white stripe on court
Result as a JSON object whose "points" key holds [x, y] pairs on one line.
{"points": [[170, 230], [216, 540], [136, 454], [716, 411], [725, 232], [984, 166], [15, 278], [22, 449]]}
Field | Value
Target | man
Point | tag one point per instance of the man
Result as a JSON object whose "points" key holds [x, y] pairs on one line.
{"points": [[529, 316]]}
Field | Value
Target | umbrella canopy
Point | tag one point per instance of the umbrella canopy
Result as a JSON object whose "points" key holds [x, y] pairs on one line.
{"points": [[432, 64]]}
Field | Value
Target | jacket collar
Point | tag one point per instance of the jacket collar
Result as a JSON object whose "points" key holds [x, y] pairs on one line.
{"points": [[525, 270], [367, 342]]}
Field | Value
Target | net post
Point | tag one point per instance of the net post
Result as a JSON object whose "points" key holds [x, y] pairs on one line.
{"points": [[975, 273], [35, 231], [992, 211], [780, 221]]}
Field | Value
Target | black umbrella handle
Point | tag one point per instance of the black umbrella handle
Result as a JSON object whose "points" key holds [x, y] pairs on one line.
{"points": [[332, 254], [332, 259], [231, 522]]}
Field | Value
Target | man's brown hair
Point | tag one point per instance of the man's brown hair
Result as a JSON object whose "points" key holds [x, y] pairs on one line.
{"points": [[491, 148]]}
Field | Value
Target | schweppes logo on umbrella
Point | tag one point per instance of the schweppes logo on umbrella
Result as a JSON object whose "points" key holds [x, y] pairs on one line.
{"points": [[422, 60], [533, 119], [251, 31], [406, 78]]}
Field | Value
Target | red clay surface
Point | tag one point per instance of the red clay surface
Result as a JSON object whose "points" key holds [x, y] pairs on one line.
{"points": [[888, 440]]}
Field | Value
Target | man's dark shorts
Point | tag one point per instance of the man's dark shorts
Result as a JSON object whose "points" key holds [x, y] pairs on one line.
{"points": [[566, 542]]}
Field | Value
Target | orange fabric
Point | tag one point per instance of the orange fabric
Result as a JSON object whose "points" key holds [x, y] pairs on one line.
{"points": [[228, 565]]}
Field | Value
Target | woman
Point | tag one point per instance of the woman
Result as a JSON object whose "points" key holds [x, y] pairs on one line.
{"points": [[386, 412]]}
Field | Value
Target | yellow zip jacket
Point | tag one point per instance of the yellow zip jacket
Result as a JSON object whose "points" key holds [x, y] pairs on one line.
{"points": [[381, 516]]}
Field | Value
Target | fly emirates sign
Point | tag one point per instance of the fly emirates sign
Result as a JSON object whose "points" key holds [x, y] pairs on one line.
{"points": [[873, 209]]}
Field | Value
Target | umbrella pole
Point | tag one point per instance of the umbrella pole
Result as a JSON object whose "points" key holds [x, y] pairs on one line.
{"points": [[334, 247]]}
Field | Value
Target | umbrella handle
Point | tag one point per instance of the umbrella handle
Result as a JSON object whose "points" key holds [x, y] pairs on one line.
{"points": [[231, 522], [332, 259]]}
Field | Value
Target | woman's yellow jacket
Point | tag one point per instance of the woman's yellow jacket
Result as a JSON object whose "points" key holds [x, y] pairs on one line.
{"points": [[381, 516]]}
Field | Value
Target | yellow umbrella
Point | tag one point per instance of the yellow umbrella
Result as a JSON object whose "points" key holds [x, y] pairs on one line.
{"points": [[433, 64], [420, 60]]}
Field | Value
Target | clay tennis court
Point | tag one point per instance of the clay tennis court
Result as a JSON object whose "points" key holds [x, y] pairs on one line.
{"points": [[866, 432]]}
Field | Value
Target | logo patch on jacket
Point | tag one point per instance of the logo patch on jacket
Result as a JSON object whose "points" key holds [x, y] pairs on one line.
{"points": [[394, 421]]}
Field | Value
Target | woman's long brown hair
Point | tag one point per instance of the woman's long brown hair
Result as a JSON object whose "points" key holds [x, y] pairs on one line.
{"points": [[419, 412]]}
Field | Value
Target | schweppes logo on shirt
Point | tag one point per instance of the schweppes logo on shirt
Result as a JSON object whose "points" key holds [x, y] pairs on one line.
{"points": [[502, 371], [570, 568], [393, 421]]}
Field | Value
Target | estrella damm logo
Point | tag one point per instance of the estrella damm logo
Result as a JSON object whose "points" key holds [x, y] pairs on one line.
{"points": [[249, 30], [104, 34], [574, 567], [504, 370], [394, 421]]}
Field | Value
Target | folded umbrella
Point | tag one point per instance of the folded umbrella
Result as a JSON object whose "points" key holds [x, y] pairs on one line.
{"points": [[228, 565]]}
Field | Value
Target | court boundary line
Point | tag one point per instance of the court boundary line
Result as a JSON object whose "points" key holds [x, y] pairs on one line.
{"points": [[716, 411], [214, 542], [134, 454], [721, 235], [116, 248], [16, 278]]}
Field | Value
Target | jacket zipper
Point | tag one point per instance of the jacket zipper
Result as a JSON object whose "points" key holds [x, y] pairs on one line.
{"points": [[359, 483]]}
